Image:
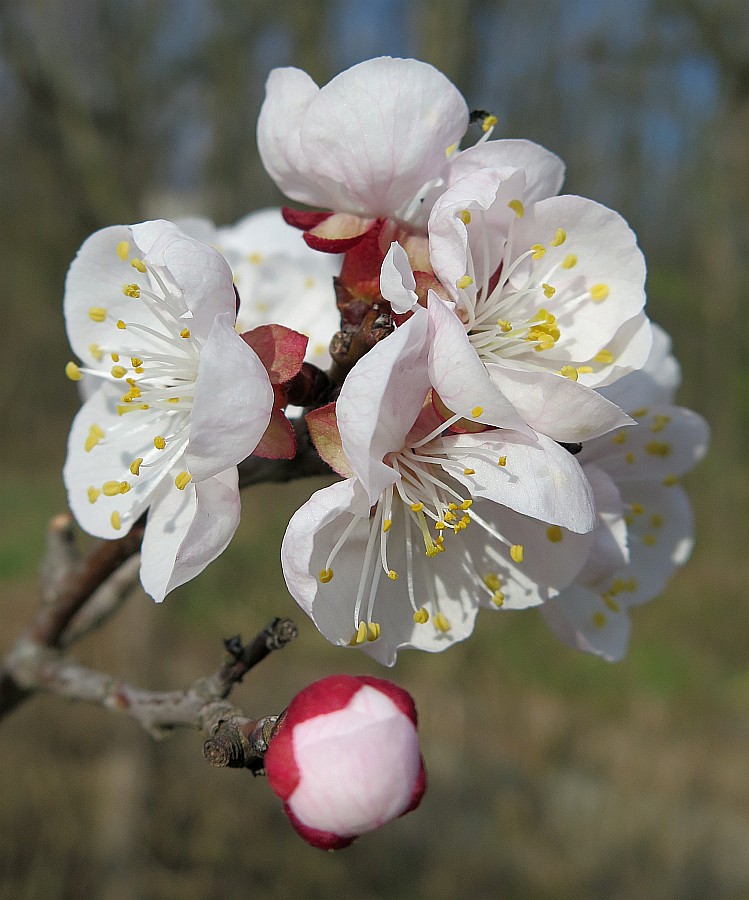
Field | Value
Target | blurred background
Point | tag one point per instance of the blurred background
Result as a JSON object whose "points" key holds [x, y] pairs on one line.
{"points": [[553, 775]]}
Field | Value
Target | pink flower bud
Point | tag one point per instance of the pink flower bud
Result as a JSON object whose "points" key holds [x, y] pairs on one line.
{"points": [[345, 759]]}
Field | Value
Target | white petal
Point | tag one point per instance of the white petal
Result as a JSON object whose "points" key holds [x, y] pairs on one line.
{"points": [[397, 281], [562, 409], [459, 376], [610, 551], [380, 400], [125, 439], [580, 619], [187, 529], [288, 94], [630, 348], [233, 402], [655, 383], [378, 132], [544, 170], [540, 479]]}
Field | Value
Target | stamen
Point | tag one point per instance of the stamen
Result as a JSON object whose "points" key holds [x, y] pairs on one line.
{"points": [[97, 314], [73, 372], [182, 480], [123, 250], [517, 207]]}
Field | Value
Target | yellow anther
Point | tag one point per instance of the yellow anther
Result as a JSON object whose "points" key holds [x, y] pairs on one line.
{"points": [[517, 207], [393, 575], [465, 217], [185, 333], [124, 487], [493, 581], [421, 616], [504, 326], [255, 258], [91, 441], [451, 149], [96, 351], [325, 575], [386, 525], [489, 122], [610, 602], [599, 292], [502, 461], [477, 411], [115, 357], [182, 480], [138, 264], [554, 533], [121, 410], [361, 633], [111, 488], [171, 399], [93, 494], [637, 508], [119, 371], [559, 238], [136, 361], [498, 598], [539, 251], [670, 480], [115, 520], [599, 619], [465, 282], [516, 553], [97, 313], [440, 525], [650, 540], [569, 372], [630, 457], [417, 507], [659, 423], [131, 290], [584, 370], [441, 623], [619, 438], [450, 516], [452, 506], [73, 372], [432, 550], [159, 442], [373, 631], [549, 291], [135, 465], [658, 448], [97, 430], [138, 370], [123, 250], [569, 261], [656, 521], [604, 356], [466, 504], [469, 471]]}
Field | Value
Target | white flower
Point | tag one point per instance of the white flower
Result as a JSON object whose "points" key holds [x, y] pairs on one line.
{"points": [[647, 531], [345, 759], [279, 279], [379, 141], [367, 558], [181, 399]]}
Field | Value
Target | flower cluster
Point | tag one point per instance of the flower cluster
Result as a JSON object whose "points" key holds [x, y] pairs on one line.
{"points": [[497, 404]]}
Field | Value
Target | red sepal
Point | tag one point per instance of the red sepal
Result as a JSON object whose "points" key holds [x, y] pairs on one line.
{"points": [[280, 349], [339, 233], [279, 440], [304, 220], [323, 429]]}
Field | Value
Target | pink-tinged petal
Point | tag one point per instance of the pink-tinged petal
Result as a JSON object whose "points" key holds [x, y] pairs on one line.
{"points": [[281, 350], [279, 440], [186, 530], [199, 272], [552, 556], [233, 402], [288, 94], [125, 438], [379, 131], [667, 442], [580, 619], [443, 584], [331, 752], [655, 383], [544, 170], [629, 350], [380, 400], [323, 429], [397, 282], [457, 247], [607, 257], [562, 409], [539, 478], [459, 376]]}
